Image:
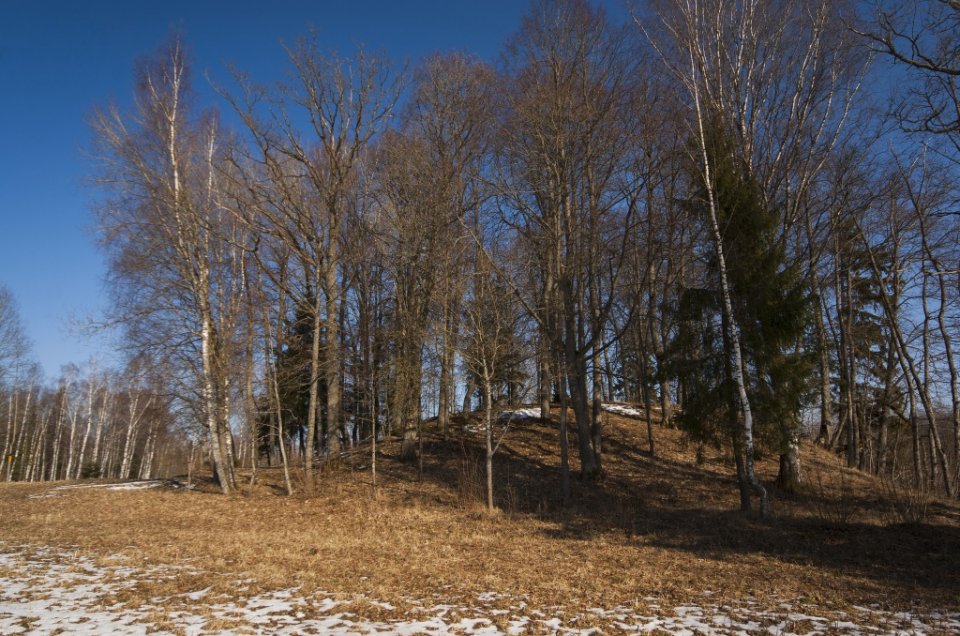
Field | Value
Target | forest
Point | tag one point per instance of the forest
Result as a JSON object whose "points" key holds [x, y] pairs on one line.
{"points": [[739, 217]]}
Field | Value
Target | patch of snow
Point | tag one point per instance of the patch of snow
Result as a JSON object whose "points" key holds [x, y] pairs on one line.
{"points": [[126, 485], [531, 413], [196, 596], [504, 418], [47, 591], [623, 410], [385, 606]]}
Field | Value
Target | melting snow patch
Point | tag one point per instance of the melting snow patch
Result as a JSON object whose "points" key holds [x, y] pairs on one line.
{"points": [[126, 485], [47, 591], [504, 418], [531, 413], [623, 410]]}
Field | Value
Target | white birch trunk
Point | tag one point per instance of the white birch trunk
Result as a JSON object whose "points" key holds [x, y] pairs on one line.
{"points": [[86, 435], [149, 449], [105, 406], [58, 437], [132, 421], [10, 435], [72, 445], [730, 322], [23, 433], [36, 449]]}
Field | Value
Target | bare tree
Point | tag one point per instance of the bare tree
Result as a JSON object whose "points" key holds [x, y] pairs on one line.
{"points": [[309, 184], [563, 187], [14, 344], [428, 182], [163, 230], [922, 36], [491, 323]]}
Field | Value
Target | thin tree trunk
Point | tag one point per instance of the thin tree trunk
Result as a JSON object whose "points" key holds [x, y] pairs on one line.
{"points": [[20, 452], [251, 403], [450, 333], [72, 445], [910, 370], [10, 436], [647, 400], [35, 449], [53, 474], [731, 324], [86, 435], [488, 418], [283, 451], [270, 375], [333, 357], [149, 449], [105, 406], [132, 422], [313, 405], [564, 448]]}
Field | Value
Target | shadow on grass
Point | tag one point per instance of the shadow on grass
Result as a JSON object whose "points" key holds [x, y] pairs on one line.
{"points": [[656, 499]]}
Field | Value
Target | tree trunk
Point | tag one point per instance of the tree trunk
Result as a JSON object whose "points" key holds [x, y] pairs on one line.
{"points": [[211, 403], [86, 434], [10, 434], [743, 482], [332, 357], [564, 448], [790, 477], [596, 415], [450, 333], [407, 407], [101, 418], [488, 418], [732, 328], [313, 404], [52, 474], [71, 446], [576, 377]]}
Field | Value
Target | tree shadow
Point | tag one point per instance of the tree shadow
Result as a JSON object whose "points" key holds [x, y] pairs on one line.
{"points": [[653, 499]]}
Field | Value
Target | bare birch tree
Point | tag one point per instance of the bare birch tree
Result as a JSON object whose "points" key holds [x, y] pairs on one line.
{"points": [[161, 226]]}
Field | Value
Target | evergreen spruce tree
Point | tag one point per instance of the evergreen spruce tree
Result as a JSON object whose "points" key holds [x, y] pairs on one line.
{"points": [[771, 308]]}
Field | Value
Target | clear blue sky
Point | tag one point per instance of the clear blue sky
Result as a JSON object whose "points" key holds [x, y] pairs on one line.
{"points": [[58, 60]]}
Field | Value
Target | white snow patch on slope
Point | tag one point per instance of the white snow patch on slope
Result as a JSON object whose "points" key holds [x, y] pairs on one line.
{"points": [[125, 485], [530, 413], [47, 591], [623, 410], [505, 418]]}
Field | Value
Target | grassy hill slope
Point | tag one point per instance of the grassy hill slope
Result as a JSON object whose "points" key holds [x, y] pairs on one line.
{"points": [[661, 531]]}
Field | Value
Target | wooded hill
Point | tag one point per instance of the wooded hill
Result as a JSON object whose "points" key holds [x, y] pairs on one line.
{"points": [[706, 209]]}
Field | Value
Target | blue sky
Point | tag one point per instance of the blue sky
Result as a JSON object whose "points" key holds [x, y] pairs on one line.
{"points": [[59, 60]]}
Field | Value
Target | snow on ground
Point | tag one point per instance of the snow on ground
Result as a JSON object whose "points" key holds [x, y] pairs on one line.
{"points": [[623, 410], [126, 485], [534, 412], [48, 591], [531, 413], [505, 418]]}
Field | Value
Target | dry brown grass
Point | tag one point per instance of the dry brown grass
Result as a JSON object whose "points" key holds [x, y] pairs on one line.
{"points": [[663, 527]]}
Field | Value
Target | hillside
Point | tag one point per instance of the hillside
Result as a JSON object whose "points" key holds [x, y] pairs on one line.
{"points": [[656, 545]]}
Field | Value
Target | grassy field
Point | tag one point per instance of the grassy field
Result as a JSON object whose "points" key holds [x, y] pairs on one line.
{"points": [[656, 534]]}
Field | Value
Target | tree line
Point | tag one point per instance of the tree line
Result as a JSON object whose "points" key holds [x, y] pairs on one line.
{"points": [[89, 423], [725, 211]]}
